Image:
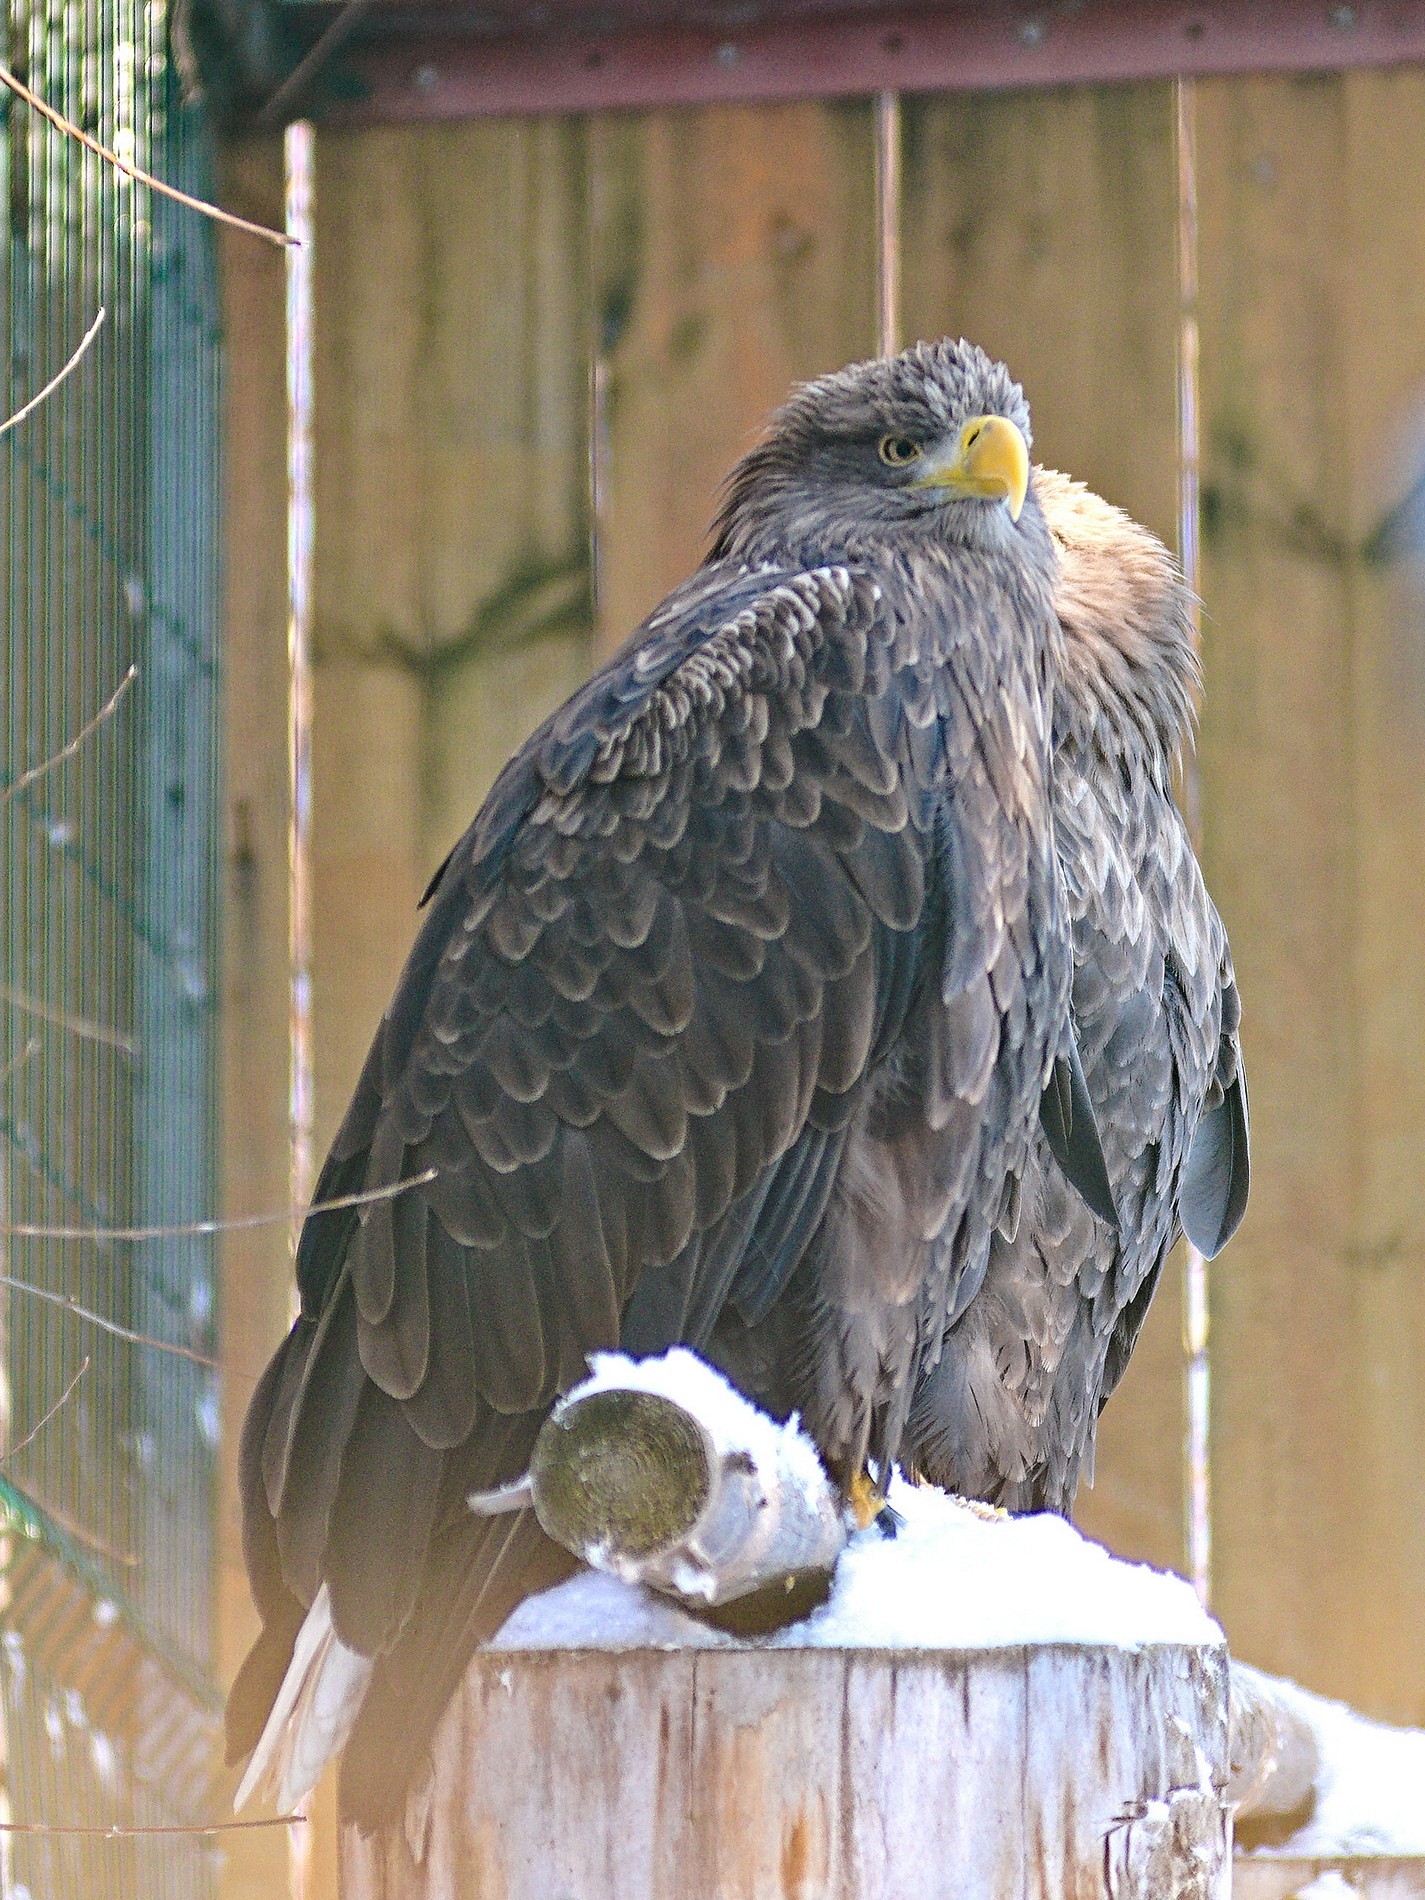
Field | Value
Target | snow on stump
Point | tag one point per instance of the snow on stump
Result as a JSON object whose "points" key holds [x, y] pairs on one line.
{"points": [[981, 1707]]}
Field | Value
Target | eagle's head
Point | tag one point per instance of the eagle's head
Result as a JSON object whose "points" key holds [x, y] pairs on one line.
{"points": [[931, 444]]}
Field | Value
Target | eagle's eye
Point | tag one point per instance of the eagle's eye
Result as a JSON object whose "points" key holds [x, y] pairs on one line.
{"points": [[896, 450]]}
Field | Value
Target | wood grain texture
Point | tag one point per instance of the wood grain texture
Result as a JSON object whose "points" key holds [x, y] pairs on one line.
{"points": [[732, 255], [1286, 1876], [453, 585], [818, 1775], [1042, 225], [1313, 349]]}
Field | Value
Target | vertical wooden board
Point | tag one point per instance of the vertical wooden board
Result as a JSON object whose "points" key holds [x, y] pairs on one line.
{"points": [[453, 576], [1385, 432], [1313, 350], [256, 1264], [1043, 227], [733, 255]]}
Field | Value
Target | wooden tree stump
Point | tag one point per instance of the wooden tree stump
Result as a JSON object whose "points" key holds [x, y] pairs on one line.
{"points": [[730, 1771]]}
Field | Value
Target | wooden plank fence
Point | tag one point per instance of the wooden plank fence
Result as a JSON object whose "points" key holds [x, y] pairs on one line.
{"points": [[542, 343]]}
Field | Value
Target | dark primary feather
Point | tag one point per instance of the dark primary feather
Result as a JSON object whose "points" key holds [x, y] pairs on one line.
{"points": [[1215, 1181], [733, 1009], [1070, 1127], [1009, 1412]]}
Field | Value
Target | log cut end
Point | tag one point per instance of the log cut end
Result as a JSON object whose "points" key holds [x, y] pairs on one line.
{"points": [[658, 1472], [623, 1471]]}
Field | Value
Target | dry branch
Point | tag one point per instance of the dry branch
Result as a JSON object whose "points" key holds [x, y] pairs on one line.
{"points": [[183, 1230], [187, 1230], [33, 1433], [106, 711], [54, 382], [130, 170], [79, 1026], [68, 1304]]}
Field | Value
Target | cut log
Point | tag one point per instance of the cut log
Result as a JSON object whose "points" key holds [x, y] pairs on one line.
{"points": [[1274, 1754], [1329, 1803], [657, 1472], [732, 1772]]}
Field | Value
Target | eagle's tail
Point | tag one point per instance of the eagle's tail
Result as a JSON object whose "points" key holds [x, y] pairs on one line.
{"points": [[312, 1714]]}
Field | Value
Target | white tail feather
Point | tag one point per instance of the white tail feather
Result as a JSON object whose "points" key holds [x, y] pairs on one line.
{"points": [[311, 1716]]}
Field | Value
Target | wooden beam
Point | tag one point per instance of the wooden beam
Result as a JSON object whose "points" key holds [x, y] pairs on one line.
{"points": [[654, 1473], [623, 58], [453, 558]]}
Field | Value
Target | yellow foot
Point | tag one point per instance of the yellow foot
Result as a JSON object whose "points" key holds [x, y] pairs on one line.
{"points": [[865, 1500], [991, 1513]]}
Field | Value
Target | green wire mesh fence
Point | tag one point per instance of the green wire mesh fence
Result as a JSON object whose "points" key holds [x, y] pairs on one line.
{"points": [[108, 552]]}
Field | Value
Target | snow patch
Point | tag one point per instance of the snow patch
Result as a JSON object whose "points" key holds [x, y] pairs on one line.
{"points": [[594, 1610], [955, 1576]]}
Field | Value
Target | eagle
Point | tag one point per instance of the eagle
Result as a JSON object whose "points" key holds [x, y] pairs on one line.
{"points": [[1007, 1411], [734, 1021]]}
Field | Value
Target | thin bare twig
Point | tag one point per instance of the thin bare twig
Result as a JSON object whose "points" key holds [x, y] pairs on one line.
{"points": [[76, 1025], [54, 382], [33, 1433], [117, 1833], [136, 172], [239, 1222], [68, 1304], [81, 1532], [68, 750]]}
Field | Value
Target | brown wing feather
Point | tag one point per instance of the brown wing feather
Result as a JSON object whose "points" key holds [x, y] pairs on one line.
{"points": [[602, 1042], [793, 839]]}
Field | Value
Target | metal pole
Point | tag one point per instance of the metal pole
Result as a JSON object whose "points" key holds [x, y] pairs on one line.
{"points": [[1197, 1469], [297, 157], [297, 148], [888, 222]]}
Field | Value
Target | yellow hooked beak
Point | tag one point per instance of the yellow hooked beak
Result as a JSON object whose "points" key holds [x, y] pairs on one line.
{"points": [[989, 462]]}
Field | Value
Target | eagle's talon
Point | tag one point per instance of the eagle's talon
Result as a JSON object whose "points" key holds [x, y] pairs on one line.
{"points": [[868, 1505], [889, 1521]]}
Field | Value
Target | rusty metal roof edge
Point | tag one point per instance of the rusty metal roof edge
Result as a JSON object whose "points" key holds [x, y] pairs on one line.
{"points": [[389, 72]]}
